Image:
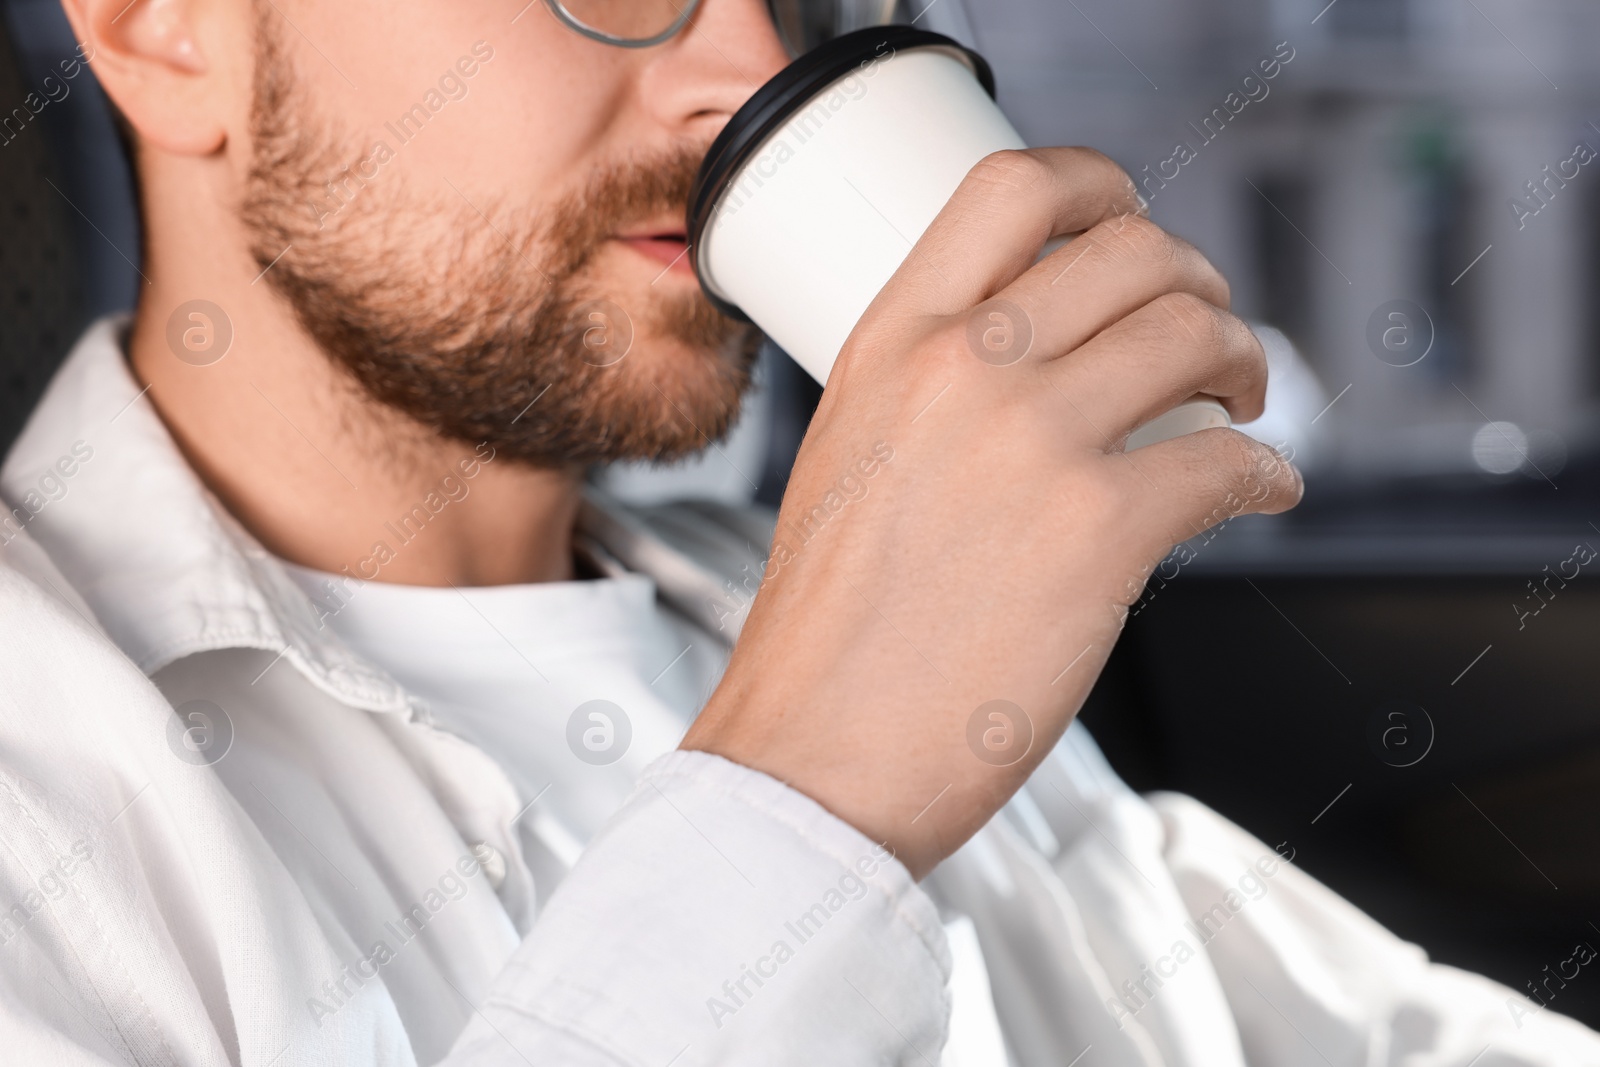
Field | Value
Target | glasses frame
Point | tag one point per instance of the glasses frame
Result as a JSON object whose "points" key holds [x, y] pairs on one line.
{"points": [[573, 23]]}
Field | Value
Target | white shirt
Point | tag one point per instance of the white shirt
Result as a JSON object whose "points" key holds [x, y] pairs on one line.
{"points": [[233, 838], [574, 687], [512, 668]]}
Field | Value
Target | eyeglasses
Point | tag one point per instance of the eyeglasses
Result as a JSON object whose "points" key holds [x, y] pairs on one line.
{"points": [[803, 24]]}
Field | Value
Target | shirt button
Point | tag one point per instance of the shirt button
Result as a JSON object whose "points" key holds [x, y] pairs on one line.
{"points": [[492, 862]]}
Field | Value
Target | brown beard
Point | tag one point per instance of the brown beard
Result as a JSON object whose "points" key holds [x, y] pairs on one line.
{"points": [[484, 330]]}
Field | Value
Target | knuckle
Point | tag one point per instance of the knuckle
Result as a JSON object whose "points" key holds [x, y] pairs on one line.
{"points": [[1252, 351], [1010, 171], [1220, 280], [1245, 460], [1190, 263], [1274, 470], [1260, 474], [1135, 239], [1231, 456], [950, 352], [1239, 344], [1182, 249], [1150, 240], [1093, 159], [1190, 318], [1146, 235]]}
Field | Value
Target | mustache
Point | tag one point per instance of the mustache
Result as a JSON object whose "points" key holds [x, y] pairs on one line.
{"points": [[619, 195]]}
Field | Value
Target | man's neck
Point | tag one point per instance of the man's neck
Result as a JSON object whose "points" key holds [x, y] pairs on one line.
{"points": [[322, 475], [327, 478]]}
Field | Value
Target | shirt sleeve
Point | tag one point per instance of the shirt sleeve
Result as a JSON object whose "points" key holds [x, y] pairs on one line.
{"points": [[723, 917], [1303, 968], [720, 917]]}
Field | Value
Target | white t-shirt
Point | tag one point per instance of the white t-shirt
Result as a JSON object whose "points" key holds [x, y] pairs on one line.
{"points": [[574, 687]]}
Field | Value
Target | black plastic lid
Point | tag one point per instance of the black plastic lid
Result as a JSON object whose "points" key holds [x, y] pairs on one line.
{"points": [[786, 93]]}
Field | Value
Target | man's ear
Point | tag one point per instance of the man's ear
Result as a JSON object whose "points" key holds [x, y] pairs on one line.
{"points": [[151, 56]]}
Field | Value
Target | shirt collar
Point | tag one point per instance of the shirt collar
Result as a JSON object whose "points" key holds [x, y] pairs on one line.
{"points": [[96, 479]]}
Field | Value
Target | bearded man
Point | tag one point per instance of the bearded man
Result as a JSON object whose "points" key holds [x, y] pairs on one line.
{"points": [[341, 725]]}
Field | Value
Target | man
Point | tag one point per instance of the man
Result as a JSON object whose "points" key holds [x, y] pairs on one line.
{"points": [[322, 672]]}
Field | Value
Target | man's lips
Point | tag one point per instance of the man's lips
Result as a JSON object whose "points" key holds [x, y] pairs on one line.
{"points": [[667, 249]]}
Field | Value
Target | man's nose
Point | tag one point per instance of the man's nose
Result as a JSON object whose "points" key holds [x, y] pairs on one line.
{"points": [[702, 76]]}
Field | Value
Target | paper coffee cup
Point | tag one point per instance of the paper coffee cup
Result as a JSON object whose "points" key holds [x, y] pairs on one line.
{"points": [[817, 189]]}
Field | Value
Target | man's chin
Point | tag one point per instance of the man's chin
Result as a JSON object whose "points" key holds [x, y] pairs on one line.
{"points": [[688, 374], [639, 306]]}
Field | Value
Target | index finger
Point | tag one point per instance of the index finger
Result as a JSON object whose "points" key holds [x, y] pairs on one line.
{"points": [[1005, 209]]}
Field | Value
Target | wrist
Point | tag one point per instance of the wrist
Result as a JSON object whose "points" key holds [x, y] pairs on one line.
{"points": [[918, 800]]}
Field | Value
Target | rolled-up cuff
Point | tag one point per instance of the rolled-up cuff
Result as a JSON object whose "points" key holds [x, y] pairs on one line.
{"points": [[723, 917]]}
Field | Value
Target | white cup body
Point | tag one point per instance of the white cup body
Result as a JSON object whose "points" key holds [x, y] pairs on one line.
{"points": [[813, 225], [828, 208]]}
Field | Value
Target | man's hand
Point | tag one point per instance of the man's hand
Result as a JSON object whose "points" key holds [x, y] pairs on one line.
{"points": [[963, 533]]}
